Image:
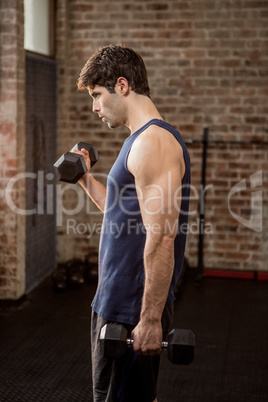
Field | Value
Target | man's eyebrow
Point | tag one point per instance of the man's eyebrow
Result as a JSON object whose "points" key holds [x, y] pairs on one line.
{"points": [[92, 93]]}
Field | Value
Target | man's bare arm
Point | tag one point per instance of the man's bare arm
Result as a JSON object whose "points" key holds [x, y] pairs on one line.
{"points": [[94, 189], [156, 161]]}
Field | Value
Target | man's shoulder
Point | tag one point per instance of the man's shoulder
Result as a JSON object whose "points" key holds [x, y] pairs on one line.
{"points": [[155, 144], [155, 136]]}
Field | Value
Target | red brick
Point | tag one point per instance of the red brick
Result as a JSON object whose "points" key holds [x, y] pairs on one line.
{"points": [[255, 4], [7, 128], [226, 246], [256, 120], [192, 54]]}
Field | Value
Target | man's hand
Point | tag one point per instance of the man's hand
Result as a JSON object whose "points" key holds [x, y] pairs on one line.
{"points": [[147, 338], [85, 154]]}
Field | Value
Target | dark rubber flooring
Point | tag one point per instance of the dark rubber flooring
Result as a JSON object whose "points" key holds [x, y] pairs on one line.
{"points": [[44, 345]]}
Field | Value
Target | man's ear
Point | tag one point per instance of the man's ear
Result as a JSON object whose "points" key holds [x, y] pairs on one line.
{"points": [[122, 85]]}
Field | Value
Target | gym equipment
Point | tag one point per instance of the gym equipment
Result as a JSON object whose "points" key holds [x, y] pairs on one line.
{"points": [[60, 279], [75, 272], [205, 142], [91, 267], [70, 167], [179, 346], [69, 275]]}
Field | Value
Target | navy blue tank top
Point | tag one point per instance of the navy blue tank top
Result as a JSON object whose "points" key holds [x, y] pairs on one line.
{"points": [[121, 270]]}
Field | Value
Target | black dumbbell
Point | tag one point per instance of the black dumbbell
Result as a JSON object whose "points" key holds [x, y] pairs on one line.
{"points": [[180, 343], [70, 167]]}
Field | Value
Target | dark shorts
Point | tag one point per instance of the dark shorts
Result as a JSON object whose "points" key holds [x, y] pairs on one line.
{"points": [[131, 378]]}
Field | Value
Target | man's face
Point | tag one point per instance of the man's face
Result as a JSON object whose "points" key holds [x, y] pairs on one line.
{"points": [[110, 107]]}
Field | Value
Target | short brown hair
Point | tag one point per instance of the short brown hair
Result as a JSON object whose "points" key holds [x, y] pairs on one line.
{"points": [[109, 63]]}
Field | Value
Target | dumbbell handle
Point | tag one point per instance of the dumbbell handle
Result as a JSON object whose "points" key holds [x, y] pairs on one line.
{"points": [[131, 341]]}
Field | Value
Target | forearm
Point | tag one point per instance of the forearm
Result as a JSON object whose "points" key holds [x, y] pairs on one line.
{"points": [[159, 266], [94, 189]]}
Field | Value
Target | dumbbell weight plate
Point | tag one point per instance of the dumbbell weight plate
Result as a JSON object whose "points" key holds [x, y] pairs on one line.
{"points": [[180, 346], [70, 167], [113, 340]]}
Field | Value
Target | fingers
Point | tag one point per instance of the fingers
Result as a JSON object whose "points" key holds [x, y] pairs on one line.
{"points": [[146, 341], [146, 349], [83, 152], [85, 155]]}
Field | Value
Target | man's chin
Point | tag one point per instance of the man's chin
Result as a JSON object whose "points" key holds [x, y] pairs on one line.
{"points": [[112, 125]]}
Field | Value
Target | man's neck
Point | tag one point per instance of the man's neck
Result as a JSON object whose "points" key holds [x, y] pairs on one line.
{"points": [[141, 109]]}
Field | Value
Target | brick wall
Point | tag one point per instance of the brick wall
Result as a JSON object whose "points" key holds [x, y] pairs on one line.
{"points": [[207, 64], [235, 236], [12, 149]]}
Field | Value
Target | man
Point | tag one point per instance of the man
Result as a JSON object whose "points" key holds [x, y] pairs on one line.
{"points": [[143, 236]]}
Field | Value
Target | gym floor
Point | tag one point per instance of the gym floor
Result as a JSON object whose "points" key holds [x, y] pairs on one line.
{"points": [[44, 345]]}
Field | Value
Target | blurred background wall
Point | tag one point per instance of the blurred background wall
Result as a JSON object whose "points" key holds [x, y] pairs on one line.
{"points": [[207, 64]]}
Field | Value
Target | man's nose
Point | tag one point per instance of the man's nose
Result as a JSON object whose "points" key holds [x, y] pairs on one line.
{"points": [[95, 107]]}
